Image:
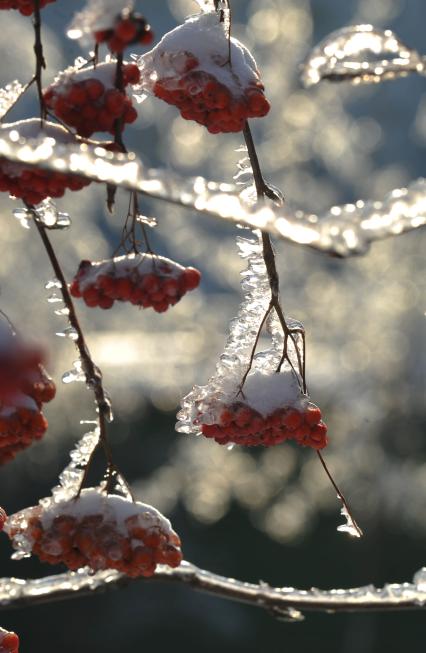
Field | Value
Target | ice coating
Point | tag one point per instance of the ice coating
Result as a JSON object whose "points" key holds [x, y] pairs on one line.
{"points": [[264, 390], [16, 592], [343, 230], [96, 15], [72, 475], [360, 53], [206, 38], [56, 149], [9, 95]]}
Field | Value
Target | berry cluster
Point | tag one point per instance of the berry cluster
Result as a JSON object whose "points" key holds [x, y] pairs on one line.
{"points": [[9, 642], [33, 185], [24, 387], [201, 97], [26, 7], [127, 30], [88, 101], [143, 279], [99, 531], [240, 424]]}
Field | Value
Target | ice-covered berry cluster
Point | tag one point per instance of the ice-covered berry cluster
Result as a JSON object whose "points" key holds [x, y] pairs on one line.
{"points": [[129, 29], [25, 7], [88, 101], [255, 398], [238, 423], [9, 642], [145, 280], [210, 79], [29, 182], [99, 531], [24, 387]]}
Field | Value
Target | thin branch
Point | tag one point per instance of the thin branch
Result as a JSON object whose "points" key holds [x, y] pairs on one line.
{"points": [[92, 372], [39, 56], [279, 602]]}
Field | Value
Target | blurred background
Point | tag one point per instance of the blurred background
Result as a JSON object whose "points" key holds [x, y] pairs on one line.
{"points": [[270, 514]]}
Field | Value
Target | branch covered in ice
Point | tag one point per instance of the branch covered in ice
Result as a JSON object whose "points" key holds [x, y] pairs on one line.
{"points": [[283, 603], [361, 54], [342, 230], [54, 148]]}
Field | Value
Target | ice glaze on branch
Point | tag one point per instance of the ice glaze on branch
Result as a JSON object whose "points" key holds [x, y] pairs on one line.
{"points": [[284, 603]]}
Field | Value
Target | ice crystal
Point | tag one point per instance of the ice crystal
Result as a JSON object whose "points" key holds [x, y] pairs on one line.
{"points": [[349, 526], [8, 96], [361, 53]]}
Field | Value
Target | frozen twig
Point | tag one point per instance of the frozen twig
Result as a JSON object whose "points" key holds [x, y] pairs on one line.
{"points": [[281, 602]]}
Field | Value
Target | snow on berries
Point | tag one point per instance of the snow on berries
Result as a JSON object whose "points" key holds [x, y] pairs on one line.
{"points": [[27, 181], [24, 387], [145, 280], [25, 7], [101, 531], [9, 642], [255, 398], [209, 78], [88, 101]]}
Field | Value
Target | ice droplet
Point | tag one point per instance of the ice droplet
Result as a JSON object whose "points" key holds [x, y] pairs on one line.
{"points": [[76, 374], [23, 216], [53, 283], [62, 311], [69, 332], [54, 298], [149, 221]]}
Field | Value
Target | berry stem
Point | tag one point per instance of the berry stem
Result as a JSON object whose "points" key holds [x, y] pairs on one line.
{"points": [[340, 495], [263, 190], [40, 61], [118, 124], [92, 372]]}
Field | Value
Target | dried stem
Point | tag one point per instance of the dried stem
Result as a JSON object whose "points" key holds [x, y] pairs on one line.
{"points": [[118, 131], [263, 190], [91, 371], [39, 56], [340, 495]]}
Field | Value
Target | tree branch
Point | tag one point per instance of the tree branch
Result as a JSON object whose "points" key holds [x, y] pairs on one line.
{"points": [[280, 602]]}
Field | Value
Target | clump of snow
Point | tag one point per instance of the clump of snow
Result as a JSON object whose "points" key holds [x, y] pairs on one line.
{"points": [[204, 37], [104, 72], [114, 510], [123, 266]]}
